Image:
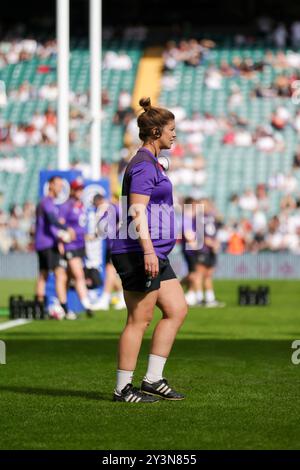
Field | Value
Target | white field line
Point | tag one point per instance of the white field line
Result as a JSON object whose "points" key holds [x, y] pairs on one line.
{"points": [[13, 323]]}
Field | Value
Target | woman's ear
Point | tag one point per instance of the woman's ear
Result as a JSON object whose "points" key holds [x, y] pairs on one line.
{"points": [[156, 132]]}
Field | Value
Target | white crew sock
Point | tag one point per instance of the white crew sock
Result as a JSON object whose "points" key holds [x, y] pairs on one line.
{"points": [[155, 368], [105, 296], [190, 297], [190, 293], [124, 377], [86, 303], [199, 295], [209, 295], [120, 295]]}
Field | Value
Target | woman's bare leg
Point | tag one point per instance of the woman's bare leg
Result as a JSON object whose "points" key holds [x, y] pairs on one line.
{"points": [[110, 276], [173, 305], [61, 281], [140, 308], [77, 272], [40, 289]]}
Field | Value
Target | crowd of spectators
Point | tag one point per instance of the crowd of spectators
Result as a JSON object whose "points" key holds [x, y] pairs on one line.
{"points": [[254, 231], [17, 229], [19, 50], [250, 226]]}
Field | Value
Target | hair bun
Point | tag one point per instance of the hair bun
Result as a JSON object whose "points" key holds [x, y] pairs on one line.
{"points": [[145, 103]]}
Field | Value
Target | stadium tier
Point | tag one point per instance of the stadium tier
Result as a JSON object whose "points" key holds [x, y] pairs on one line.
{"points": [[230, 169], [38, 72]]}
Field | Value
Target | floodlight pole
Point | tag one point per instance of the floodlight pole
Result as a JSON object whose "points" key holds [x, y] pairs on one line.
{"points": [[63, 50], [95, 29]]}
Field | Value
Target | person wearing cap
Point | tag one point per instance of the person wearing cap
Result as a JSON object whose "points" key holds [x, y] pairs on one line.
{"points": [[49, 231], [72, 212]]}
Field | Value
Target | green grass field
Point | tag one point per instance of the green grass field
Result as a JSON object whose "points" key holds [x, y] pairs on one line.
{"points": [[233, 364]]}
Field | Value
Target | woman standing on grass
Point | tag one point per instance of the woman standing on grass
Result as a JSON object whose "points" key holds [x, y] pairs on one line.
{"points": [[139, 254]]}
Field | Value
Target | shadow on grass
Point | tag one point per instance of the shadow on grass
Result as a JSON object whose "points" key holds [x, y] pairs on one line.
{"points": [[54, 392]]}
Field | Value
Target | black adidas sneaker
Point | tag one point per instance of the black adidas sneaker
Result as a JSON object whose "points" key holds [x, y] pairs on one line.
{"points": [[131, 394], [161, 389]]}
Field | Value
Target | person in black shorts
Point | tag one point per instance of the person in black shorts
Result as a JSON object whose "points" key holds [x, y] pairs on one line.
{"points": [[140, 256], [201, 262], [73, 213], [49, 232]]}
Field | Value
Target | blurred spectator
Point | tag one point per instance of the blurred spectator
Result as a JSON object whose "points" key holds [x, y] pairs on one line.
{"points": [[213, 78], [3, 95], [168, 82], [248, 200], [14, 164], [235, 99], [280, 117], [296, 122], [105, 99], [236, 242], [170, 56], [124, 100], [266, 140], [117, 61], [280, 36], [295, 34], [274, 237], [49, 92], [264, 26], [262, 197], [5, 239], [296, 160], [16, 229], [124, 112]]}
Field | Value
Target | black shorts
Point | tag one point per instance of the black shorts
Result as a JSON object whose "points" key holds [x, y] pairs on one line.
{"points": [[93, 278], [131, 269], [108, 256], [70, 254], [49, 259], [209, 260]]}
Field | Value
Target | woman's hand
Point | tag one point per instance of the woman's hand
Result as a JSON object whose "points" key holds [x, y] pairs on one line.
{"points": [[61, 248], [72, 233], [151, 264]]}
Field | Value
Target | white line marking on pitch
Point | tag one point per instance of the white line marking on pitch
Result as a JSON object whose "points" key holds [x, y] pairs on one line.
{"points": [[11, 324]]}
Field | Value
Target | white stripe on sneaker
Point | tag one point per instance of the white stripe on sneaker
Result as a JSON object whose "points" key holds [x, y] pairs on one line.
{"points": [[160, 387], [164, 389], [167, 391], [139, 399], [129, 398], [134, 398]]}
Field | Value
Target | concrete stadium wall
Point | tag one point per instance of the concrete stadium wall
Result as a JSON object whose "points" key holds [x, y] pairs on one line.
{"points": [[18, 266], [248, 266]]}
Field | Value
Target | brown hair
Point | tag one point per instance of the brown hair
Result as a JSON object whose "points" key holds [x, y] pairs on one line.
{"points": [[152, 120]]}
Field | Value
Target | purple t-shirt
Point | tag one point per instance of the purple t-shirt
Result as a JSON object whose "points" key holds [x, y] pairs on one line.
{"points": [[210, 231], [208, 228], [115, 221], [47, 225], [74, 215], [144, 175]]}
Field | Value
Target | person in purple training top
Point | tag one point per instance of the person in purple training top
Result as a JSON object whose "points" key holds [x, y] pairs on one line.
{"points": [[201, 262], [49, 232], [73, 214], [140, 256]]}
